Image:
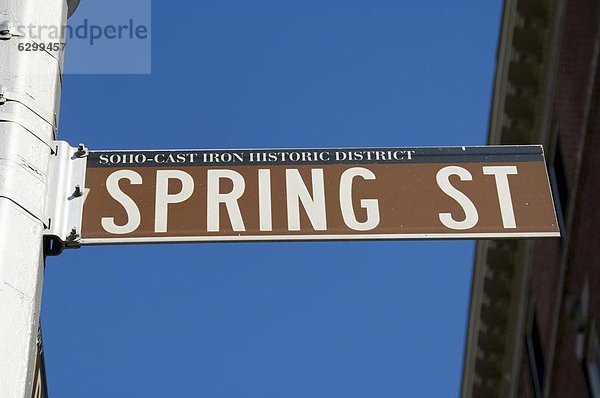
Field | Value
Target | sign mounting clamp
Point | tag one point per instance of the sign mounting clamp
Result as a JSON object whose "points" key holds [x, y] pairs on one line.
{"points": [[67, 193]]}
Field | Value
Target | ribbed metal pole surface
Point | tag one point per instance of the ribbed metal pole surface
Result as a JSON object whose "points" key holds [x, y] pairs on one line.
{"points": [[30, 87]]}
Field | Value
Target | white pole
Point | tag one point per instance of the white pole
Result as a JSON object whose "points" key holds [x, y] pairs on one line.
{"points": [[30, 87]]}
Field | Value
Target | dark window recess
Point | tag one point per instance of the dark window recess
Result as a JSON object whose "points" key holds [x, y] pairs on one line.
{"points": [[561, 191], [536, 357], [592, 361]]}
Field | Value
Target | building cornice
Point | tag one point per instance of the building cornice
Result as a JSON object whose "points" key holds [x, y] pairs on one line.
{"points": [[518, 115]]}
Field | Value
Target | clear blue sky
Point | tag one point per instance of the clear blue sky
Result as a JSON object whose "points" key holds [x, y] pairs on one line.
{"points": [[361, 319]]}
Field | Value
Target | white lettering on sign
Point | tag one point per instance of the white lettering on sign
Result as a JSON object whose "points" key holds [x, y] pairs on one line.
{"points": [[164, 198], [142, 158], [215, 198], [471, 215], [264, 198], [501, 174], [298, 193], [370, 205], [162, 158], [133, 212]]}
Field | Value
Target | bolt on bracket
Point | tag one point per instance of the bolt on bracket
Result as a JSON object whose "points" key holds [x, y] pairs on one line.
{"points": [[66, 195], [6, 30], [3, 98]]}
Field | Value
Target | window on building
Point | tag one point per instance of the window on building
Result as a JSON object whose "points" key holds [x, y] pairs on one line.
{"points": [[592, 362], [536, 358]]}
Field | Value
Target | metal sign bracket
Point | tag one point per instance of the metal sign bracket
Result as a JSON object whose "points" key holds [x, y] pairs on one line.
{"points": [[67, 193]]}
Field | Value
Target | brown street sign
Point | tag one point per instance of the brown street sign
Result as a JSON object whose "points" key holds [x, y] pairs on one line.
{"points": [[317, 194]]}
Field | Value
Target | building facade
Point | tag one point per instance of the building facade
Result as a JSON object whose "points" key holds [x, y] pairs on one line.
{"points": [[534, 317]]}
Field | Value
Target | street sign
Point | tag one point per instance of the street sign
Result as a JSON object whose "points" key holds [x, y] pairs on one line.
{"points": [[316, 194]]}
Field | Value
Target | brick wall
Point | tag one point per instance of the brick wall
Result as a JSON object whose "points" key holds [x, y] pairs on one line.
{"points": [[572, 90]]}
